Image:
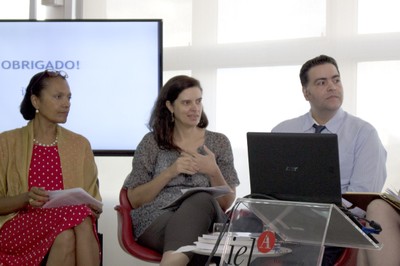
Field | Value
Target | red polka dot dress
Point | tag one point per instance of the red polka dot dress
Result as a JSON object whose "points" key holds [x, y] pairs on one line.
{"points": [[26, 239]]}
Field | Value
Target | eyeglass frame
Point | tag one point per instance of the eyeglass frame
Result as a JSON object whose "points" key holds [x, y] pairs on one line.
{"points": [[49, 73]]}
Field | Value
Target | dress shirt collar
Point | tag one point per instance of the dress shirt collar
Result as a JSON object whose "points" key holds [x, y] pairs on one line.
{"points": [[332, 126]]}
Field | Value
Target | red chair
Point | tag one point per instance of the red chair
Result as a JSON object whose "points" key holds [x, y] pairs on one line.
{"points": [[125, 232], [348, 258]]}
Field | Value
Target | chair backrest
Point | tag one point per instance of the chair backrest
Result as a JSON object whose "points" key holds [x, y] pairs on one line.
{"points": [[125, 232]]}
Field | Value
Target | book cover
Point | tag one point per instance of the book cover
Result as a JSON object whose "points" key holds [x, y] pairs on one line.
{"points": [[362, 199]]}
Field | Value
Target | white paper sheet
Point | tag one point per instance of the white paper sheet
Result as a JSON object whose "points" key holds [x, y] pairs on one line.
{"points": [[68, 197]]}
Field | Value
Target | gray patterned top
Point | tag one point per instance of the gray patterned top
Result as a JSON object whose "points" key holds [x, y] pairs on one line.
{"points": [[149, 161]]}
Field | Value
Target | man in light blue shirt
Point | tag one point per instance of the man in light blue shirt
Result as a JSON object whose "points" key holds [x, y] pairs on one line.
{"points": [[361, 153]]}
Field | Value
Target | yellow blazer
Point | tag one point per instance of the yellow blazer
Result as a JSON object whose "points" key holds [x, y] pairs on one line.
{"points": [[77, 162]]}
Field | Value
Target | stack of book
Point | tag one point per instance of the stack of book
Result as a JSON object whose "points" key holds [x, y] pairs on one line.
{"points": [[232, 244], [243, 244], [207, 242]]}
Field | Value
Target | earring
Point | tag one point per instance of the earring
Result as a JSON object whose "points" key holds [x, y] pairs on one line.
{"points": [[172, 117], [37, 111]]}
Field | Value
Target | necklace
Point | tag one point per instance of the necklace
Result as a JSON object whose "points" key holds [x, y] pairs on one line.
{"points": [[54, 143]]}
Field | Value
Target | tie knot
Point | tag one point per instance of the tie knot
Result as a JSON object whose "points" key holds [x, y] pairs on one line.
{"points": [[318, 128]]}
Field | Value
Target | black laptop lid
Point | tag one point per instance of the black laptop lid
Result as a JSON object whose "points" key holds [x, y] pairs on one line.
{"points": [[295, 166]]}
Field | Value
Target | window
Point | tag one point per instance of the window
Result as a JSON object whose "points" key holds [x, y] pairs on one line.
{"points": [[169, 74], [259, 20], [377, 102], [16, 9], [378, 16], [376, 86], [176, 16], [256, 99]]}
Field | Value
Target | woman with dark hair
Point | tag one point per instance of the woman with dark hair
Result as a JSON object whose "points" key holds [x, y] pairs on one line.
{"points": [[179, 153], [35, 159]]}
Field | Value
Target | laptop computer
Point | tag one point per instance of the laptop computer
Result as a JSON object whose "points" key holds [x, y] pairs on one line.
{"points": [[294, 166], [301, 167]]}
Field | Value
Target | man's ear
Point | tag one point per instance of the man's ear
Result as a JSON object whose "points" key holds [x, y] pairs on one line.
{"points": [[306, 93]]}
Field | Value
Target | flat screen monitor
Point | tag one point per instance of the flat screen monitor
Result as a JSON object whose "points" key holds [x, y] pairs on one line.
{"points": [[114, 71]]}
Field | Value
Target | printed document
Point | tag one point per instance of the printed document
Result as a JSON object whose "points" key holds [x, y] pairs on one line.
{"points": [[68, 197]]}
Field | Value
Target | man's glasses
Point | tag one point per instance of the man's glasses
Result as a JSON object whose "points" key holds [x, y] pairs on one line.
{"points": [[49, 73]]}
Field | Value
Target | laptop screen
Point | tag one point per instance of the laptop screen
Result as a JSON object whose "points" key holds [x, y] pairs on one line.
{"points": [[300, 167]]}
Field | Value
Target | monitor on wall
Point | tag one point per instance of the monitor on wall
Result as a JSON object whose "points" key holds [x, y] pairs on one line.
{"points": [[114, 72]]}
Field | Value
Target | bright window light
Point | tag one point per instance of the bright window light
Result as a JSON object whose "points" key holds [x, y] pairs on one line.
{"points": [[377, 102], [378, 16], [259, 20], [376, 82], [176, 16], [256, 99], [16, 9], [172, 73]]}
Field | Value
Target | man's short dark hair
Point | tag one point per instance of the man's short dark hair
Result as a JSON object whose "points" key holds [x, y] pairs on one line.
{"points": [[319, 60]]}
